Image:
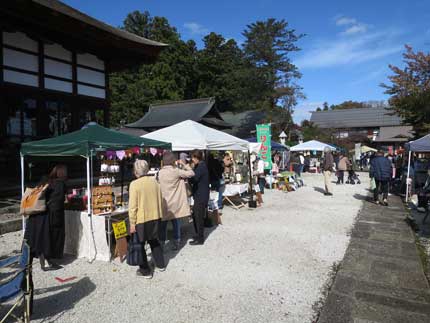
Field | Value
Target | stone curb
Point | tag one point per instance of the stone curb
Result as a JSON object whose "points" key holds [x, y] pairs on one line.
{"points": [[10, 225]]}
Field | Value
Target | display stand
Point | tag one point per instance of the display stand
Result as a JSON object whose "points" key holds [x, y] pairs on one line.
{"points": [[232, 194]]}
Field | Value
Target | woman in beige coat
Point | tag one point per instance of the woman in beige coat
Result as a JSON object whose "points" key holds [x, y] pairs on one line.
{"points": [[342, 166], [144, 212], [175, 198]]}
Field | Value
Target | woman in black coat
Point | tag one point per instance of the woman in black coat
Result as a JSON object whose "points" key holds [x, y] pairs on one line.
{"points": [[55, 196], [45, 232]]}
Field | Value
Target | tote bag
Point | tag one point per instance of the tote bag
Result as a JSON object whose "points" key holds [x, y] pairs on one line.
{"points": [[372, 184], [33, 201], [134, 251]]}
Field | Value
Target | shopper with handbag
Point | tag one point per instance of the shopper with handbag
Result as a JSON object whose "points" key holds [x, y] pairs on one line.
{"points": [[145, 212], [174, 193], [45, 231]]}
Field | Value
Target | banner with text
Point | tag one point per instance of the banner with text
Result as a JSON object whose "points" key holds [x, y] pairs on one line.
{"points": [[264, 136]]}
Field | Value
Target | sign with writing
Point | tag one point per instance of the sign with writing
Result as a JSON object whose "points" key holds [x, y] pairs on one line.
{"points": [[264, 136], [119, 229]]}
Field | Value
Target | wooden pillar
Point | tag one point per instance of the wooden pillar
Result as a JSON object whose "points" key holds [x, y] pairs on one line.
{"points": [[106, 112]]}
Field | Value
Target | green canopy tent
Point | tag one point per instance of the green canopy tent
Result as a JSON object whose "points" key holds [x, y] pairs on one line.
{"points": [[85, 143]]}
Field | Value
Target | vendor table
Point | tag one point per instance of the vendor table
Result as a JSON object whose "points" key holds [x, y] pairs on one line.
{"points": [[90, 237], [232, 194]]}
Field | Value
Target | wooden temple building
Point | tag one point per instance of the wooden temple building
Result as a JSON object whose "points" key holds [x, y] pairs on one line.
{"points": [[55, 63]]}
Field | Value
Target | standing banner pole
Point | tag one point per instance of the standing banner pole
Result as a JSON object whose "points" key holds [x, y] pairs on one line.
{"points": [[22, 190], [407, 177]]}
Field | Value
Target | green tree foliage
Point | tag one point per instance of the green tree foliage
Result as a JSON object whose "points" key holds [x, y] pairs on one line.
{"points": [[172, 77], [224, 73], [410, 90], [325, 106], [348, 105], [268, 46], [311, 131], [260, 75]]}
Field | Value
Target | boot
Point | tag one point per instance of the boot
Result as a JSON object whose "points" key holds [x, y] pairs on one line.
{"points": [[259, 198], [217, 217]]}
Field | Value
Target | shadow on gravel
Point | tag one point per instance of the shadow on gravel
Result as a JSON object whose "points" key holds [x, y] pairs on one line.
{"points": [[187, 232], [319, 189], [61, 298], [362, 197]]}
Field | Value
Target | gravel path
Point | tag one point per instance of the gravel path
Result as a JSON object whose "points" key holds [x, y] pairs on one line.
{"points": [[264, 265]]}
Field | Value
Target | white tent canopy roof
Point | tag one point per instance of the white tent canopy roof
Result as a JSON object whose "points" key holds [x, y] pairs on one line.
{"points": [[189, 135], [311, 146]]}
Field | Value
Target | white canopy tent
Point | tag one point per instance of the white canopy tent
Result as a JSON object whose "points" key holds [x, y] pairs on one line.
{"points": [[188, 135], [312, 145]]}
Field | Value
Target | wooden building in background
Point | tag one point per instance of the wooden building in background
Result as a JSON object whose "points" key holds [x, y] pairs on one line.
{"points": [[54, 68]]}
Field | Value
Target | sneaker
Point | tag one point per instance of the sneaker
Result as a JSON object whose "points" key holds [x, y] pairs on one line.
{"points": [[145, 273], [196, 242], [160, 269], [385, 202], [377, 202]]}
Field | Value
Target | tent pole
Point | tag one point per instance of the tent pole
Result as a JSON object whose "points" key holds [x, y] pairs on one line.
{"points": [[407, 178], [22, 190], [250, 175], [88, 188]]}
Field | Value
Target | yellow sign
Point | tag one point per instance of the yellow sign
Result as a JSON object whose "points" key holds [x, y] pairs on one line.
{"points": [[119, 229]]}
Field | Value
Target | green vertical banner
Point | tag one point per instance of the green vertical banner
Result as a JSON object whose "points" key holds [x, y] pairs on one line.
{"points": [[264, 136]]}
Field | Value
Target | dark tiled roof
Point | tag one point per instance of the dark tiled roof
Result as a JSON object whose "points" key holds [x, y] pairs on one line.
{"points": [[57, 22], [356, 118], [62, 8], [243, 123], [395, 134], [167, 114], [132, 131]]}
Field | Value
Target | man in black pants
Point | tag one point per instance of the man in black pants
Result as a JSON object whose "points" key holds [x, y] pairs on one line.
{"points": [[381, 171], [200, 183]]}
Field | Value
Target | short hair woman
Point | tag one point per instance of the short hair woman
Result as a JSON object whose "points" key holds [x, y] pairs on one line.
{"points": [[145, 211]]}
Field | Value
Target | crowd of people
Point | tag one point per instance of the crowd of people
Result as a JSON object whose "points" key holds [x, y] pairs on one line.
{"points": [[180, 189], [382, 170]]}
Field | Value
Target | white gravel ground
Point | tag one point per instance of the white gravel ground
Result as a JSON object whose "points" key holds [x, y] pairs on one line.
{"points": [[264, 265]]}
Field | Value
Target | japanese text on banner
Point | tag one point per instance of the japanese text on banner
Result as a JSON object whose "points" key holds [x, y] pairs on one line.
{"points": [[264, 136]]}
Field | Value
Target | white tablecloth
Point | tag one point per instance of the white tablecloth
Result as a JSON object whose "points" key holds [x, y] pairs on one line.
{"points": [[79, 239], [235, 189]]}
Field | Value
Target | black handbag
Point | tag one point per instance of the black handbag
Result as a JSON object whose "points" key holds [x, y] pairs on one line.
{"points": [[134, 251]]}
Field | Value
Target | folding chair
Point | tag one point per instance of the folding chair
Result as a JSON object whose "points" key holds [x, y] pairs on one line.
{"points": [[18, 286]]}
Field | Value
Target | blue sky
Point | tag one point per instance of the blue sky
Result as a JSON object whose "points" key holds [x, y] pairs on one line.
{"points": [[345, 53]]}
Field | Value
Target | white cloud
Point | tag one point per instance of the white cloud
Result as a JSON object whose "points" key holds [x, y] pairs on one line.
{"points": [[303, 111], [350, 50], [195, 28], [356, 29], [352, 25], [345, 21]]}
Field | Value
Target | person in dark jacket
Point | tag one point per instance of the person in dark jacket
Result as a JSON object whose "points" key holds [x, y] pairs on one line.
{"points": [[381, 171], [45, 232], [200, 184]]}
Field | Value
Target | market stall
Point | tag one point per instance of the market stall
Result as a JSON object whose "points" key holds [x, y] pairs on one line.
{"points": [[421, 145], [88, 223], [189, 135]]}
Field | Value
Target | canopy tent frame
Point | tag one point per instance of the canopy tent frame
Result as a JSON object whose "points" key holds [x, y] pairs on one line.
{"points": [[312, 145], [48, 147], [183, 138], [421, 145]]}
